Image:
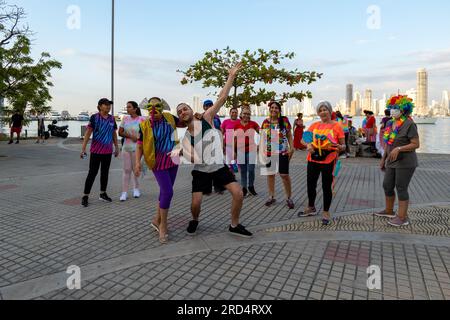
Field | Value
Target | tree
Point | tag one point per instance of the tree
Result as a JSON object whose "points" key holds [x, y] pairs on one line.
{"points": [[23, 81], [261, 69], [11, 17]]}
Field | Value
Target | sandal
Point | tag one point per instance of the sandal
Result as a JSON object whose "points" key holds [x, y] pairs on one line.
{"points": [[164, 239], [308, 212], [154, 226]]}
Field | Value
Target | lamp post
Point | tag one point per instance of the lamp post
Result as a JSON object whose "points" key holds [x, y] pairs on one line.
{"points": [[112, 55]]}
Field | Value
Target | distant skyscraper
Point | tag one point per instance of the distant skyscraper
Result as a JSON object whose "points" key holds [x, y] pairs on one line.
{"points": [[196, 106], [422, 90], [412, 93], [308, 108], [357, 99], [445, 103], [349, 97], [367, 104]]}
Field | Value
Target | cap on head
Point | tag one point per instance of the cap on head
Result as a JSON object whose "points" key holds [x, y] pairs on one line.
{"points": [[105, 101], [208, 103]]}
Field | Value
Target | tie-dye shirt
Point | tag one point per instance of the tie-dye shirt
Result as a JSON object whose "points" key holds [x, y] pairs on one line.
{"points": [[321, 132], [103, 130], [283, 143], [163, 134], [131, 127]]}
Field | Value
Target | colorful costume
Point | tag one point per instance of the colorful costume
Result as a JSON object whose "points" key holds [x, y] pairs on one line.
{"points": [[158, 139]]}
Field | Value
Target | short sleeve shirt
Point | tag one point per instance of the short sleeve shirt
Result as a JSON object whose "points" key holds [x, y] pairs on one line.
{"points": [[326, 129], [283, 142], [245, 139], [131, 127], [405, 160], [228, 125], [103, 131], [17, 120]]}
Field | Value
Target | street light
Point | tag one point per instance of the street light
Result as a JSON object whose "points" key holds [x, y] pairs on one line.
{"points": [[112, 55]]}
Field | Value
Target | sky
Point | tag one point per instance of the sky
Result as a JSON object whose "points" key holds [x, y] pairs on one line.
{"points": [[376, 45]]}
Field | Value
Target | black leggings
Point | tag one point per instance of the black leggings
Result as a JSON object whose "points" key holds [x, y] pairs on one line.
{"points": [[314, 170], [94, 165]]}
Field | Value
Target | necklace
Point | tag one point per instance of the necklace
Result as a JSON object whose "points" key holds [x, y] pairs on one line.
{"points": [[393, 127]]}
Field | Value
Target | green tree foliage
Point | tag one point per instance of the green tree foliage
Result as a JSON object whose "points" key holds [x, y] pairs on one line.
{"points": [[24, 81], [262, 69]]}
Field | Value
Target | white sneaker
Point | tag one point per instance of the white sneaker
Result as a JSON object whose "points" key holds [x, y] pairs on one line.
{"points": [[124, 197], [136, 193]]}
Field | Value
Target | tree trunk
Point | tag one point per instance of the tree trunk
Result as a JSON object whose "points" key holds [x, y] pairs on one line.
{"points": [[235, 102]]}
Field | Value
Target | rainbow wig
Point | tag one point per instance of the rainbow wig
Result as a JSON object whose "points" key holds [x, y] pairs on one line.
{"points": [[403, 103]]}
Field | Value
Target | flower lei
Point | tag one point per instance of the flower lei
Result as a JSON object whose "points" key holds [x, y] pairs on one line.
{"points": [[390, 134]]}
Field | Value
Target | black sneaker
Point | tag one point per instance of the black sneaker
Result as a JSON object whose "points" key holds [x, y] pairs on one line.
{"points": [[245, 192], [10, 142], [104, 197], [240, 231], [192, 228], [252, 191], [85, 201], [17, 142]]}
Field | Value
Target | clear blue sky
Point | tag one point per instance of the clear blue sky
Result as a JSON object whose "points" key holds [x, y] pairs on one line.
{"points": [[155, 38]]}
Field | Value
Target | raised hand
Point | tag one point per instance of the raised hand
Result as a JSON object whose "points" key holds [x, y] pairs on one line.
{"points": [[234, 70]]}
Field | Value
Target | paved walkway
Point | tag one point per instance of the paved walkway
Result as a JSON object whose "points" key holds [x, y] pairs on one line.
{"points": [[44, 230]]}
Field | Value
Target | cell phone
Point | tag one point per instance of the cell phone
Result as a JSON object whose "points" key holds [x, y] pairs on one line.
{"points": [[84, 156]]}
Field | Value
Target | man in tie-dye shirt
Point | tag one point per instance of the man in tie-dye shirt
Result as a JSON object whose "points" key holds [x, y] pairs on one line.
{"points": [[103, 127]]}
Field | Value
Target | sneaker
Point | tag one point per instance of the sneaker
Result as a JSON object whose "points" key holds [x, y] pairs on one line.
{"points": [[384, 214], [85, 201], [37, 142], [192, 228], [397, 222], [10, 142], [17, 142], [123, 197], [104, 197], [309, 212], [290, 204], [136, 193], [270, 202], [245, 191], [252, 191], [240, 231]]}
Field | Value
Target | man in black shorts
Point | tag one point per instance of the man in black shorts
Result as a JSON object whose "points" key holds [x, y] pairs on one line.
{"points": [[209, 167]]}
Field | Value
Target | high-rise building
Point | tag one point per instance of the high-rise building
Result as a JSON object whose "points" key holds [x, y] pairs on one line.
{"points": [[445, 102], [357, 99], [308, 108], [353, 109], [368, 103], [196, 105], [422, 91], [412, 93], [349, 97]]}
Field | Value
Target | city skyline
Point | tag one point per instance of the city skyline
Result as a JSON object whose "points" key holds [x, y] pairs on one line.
{"points": [[151, 47]]}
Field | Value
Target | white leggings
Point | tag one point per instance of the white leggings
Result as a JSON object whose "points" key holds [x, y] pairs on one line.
{"points": [[129, 159]]}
